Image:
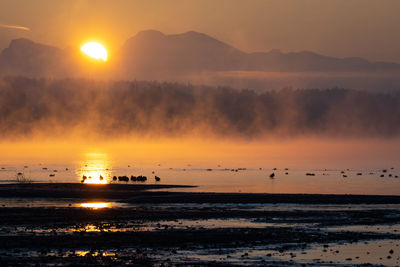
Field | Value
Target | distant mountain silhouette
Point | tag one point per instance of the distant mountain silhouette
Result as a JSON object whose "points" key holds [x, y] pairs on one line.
{"points": [[152, 54], [152, 51], [27, 58], [310, 61]]}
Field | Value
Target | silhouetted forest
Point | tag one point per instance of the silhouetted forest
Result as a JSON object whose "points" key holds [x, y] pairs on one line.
{"points": [[113, 109]]}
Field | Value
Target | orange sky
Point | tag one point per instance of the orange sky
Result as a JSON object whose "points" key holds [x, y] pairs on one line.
{"points": [[338, 28]]}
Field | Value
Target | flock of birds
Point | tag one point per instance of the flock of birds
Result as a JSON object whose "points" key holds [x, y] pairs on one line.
{"points": [[124, 178], [343, 173], [141, 178]]}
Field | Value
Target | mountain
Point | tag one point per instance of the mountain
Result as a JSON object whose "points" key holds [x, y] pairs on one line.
{"points": [[153, 55], [308, 61], [154, 52], [27, 58]]}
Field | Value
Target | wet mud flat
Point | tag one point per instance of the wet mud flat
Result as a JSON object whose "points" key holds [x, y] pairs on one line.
{"points": [[156, 193], [180, 231], [76, 190]]}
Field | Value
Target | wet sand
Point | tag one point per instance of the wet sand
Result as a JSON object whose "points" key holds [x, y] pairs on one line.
{"points": [[170, 229], [143, 193], [76, 190]]}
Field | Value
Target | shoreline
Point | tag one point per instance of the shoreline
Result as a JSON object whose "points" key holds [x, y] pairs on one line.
{"points": [[140, 194], [193, 234]]}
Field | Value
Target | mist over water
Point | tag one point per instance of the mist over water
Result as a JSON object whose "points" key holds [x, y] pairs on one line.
{"points": [[179, 131], [31, 107], [134, 136]]}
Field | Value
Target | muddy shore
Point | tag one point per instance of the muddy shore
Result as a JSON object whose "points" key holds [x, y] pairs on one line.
{"points": [[197, 229], [140, 194]]}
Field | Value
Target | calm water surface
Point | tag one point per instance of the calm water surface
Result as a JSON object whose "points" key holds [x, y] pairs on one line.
{"points": [[212, 177]]}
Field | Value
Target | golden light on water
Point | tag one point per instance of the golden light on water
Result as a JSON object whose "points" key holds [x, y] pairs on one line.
{"points": [[83, 253], [94, 177], [95, 50], [96, 205], [95, 169]]}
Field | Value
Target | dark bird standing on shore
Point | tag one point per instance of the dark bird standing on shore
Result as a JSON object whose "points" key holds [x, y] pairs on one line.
{"points": [[123, 178], [272, 175]]}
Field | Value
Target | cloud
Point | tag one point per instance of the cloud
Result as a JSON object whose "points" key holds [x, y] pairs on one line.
{"points": [[15, 27]]}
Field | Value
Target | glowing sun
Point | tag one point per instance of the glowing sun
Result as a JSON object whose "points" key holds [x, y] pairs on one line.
{"points": [[95, 50]]}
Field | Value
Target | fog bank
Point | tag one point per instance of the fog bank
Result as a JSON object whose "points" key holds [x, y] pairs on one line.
{"points": [[31, 107]]}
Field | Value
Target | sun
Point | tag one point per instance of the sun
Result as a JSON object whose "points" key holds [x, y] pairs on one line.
{"points": [[95, 50]]}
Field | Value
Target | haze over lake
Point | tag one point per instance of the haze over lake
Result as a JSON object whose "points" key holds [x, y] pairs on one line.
{"points": [[199, 133]]}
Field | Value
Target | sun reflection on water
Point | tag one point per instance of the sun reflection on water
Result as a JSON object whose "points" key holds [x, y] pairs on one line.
{"points": [[95, 169], [96, 205], [83, 253]]}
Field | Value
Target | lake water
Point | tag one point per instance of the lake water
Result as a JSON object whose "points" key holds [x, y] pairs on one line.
{"points": [[217, 178], [215, 166]]}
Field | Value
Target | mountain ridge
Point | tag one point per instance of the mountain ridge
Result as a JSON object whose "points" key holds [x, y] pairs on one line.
{"points": [[153, 54]]}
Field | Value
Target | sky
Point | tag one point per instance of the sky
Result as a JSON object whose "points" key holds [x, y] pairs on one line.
{"points": [[338, 28]]}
